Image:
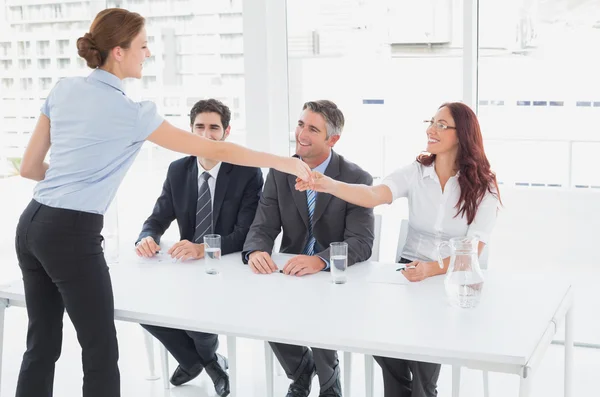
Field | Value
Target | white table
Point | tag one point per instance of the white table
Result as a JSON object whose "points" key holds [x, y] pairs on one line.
{"points": [[508, 332]]}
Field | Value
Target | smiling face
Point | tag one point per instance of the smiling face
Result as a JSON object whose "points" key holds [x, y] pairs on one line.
{"points": [[209, 125], [132, 59], [312, 143], [441, 133]]}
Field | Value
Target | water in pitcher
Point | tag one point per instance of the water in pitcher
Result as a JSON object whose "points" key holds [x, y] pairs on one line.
{"points": [[464, 289], [464, 279]]}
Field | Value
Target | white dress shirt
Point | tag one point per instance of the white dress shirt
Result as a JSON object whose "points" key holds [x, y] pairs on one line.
{"points": [[212, 181], [432, 213]]}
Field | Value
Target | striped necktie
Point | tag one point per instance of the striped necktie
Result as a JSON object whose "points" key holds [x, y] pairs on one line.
{"points": [[311, 198], [203, 211]]}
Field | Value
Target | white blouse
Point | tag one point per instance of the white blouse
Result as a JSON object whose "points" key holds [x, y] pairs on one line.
{"points": [[432, 213]]}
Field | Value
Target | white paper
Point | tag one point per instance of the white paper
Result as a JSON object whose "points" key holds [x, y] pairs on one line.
{"points": [[386, 275]]}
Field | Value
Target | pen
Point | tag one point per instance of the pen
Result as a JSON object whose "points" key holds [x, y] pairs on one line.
{"points": [[405, 267]]}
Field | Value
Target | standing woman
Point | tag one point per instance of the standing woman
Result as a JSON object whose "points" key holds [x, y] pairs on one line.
{"points": [[451, 192], [95, 132]]}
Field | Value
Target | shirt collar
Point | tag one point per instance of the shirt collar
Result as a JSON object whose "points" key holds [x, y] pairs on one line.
{"points": [[323, 166], [107, 78], [429, 172], [214, 172]]}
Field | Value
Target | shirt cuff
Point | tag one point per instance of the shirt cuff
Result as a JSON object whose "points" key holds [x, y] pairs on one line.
{"points": [[326, 264], [248, 255]]}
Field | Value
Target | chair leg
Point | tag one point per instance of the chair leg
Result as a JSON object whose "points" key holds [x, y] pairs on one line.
{"points": [[149, 343], [164, 358], [486, 384], [269, 368], [369, 375], [232, 357], [455, 381], [347, 378]]}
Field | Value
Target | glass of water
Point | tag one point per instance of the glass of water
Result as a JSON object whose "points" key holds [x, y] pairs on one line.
{"points": [[212, 252], [339, 262]]}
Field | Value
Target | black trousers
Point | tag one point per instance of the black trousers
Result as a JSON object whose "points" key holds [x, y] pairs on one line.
{"points": [[294, 360], [404, 378], [63, 266], [192, 350]]}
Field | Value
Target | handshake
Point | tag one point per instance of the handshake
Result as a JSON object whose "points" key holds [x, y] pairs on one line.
{"points": [[319, 183]]}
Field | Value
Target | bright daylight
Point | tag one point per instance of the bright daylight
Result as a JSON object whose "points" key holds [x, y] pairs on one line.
{"points": [[299, 198]]}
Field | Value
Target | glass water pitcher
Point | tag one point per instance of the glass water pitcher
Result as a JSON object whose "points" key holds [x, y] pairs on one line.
{"points": [[464, 280]]}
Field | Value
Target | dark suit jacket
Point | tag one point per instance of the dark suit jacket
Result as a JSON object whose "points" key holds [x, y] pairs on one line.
{"points": [[282, 206], [237, 192]]}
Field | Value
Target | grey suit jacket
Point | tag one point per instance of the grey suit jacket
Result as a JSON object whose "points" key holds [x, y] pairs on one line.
{"points": [[334, 220]]}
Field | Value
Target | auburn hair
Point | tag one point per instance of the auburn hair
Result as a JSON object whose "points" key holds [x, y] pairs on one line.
{"points": [[475, 176]]}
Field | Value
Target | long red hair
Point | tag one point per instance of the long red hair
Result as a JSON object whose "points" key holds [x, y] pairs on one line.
{"points": [[476, 177]]}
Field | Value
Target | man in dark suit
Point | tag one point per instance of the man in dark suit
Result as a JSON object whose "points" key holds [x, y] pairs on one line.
{"points": [[206, 197], [310, 222]]}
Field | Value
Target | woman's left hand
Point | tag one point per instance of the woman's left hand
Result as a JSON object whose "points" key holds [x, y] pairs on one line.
{"points": [[419, 270]]}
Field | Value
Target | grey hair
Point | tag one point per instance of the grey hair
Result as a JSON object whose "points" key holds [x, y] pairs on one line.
{"points": [[334, 118]]}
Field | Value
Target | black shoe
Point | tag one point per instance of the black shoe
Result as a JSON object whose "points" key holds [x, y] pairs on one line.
{"points": [[216, 370], [334, 391], [301, 387], [181, 376]]}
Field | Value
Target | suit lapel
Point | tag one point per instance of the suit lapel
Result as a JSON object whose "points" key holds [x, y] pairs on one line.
{"points": [[299, 199], [220, 190], [192, 183], [332, 171]]}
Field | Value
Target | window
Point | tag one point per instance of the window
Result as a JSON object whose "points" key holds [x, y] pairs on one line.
{"points": [[231, 23], [5, 64], [44, 64], [5, 49], [45, 83], [375, 63], [26, 84], [16, 13], [43, 48], [64, 63], [231, 43], [62, 46], [538, 100], [37, 49], [23, 48], [148, 82], [24, 64], [550, 97], [7, 84]]}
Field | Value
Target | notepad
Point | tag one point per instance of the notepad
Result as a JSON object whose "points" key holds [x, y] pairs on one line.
{"points": [[386, 275]]}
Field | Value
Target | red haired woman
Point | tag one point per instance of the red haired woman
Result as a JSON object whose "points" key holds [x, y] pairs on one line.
{"points": [[451, 192]]}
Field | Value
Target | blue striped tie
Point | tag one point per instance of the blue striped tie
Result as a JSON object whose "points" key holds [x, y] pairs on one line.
{"points": [[311, 198], [203, 211]]}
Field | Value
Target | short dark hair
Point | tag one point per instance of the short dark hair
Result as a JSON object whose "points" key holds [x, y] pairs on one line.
{"points": [[211, 106], [334, 118]]}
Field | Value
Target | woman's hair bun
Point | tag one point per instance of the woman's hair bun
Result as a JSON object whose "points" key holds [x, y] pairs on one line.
{"points": [[86, 48]]}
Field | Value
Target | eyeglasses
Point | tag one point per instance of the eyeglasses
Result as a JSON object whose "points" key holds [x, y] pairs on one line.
{"points": [[438, 126]]}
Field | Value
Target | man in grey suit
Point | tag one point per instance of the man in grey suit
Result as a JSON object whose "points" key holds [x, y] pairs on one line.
{"points": [[310, 222]]}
